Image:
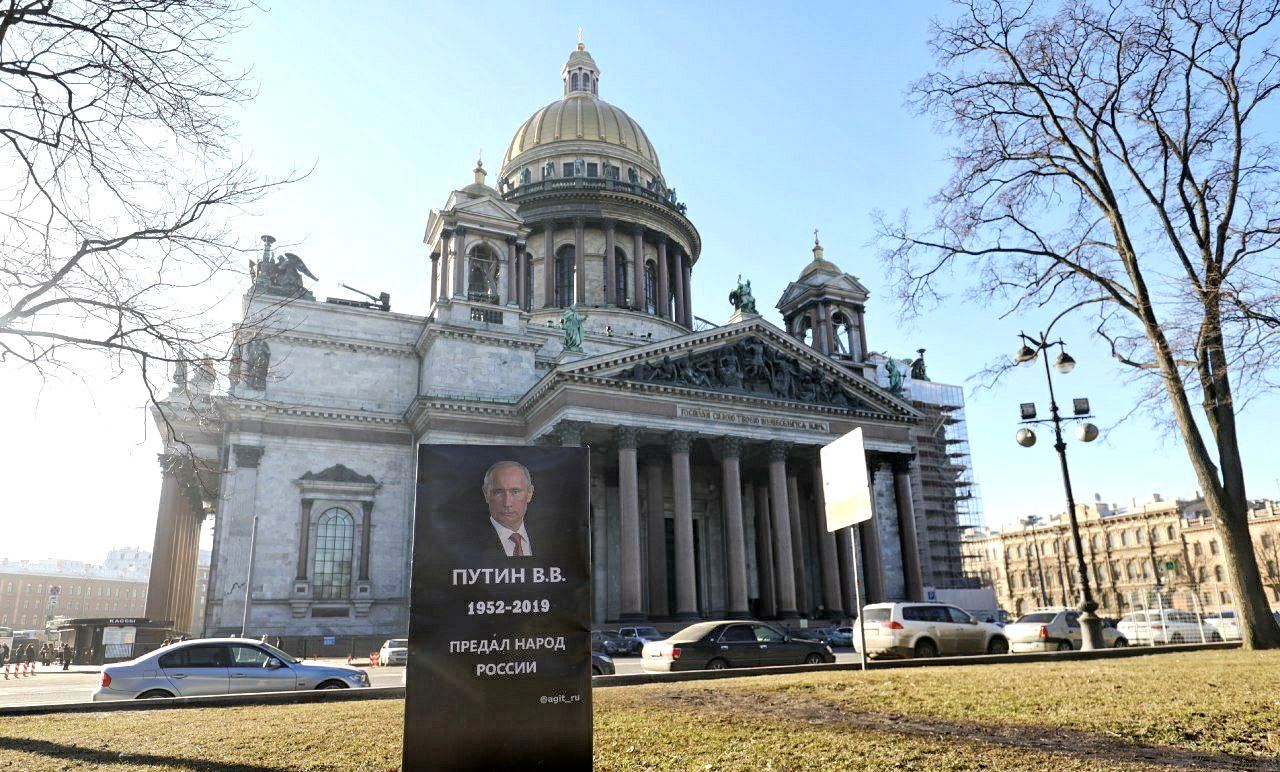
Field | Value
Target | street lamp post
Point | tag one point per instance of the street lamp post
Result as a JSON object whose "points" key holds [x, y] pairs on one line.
{"points": [[1090, 625]]}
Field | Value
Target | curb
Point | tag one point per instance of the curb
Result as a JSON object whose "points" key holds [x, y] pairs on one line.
{"points": [[981, 659]]}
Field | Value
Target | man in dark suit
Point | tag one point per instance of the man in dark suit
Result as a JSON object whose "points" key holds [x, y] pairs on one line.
{"points": [[508, 489]]}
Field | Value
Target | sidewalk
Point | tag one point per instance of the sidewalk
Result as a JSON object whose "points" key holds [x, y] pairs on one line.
{"points": [[53, 669]]}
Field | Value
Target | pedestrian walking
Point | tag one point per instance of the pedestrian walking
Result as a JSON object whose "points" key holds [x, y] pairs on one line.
{"points": [[30, 656], [66, 656], [4, 654]]}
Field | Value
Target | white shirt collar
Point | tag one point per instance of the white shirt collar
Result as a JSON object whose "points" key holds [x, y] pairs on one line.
{"points": [[504, 536]]}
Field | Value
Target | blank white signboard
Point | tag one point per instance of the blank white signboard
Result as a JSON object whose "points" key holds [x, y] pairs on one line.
{"points": [[844, 481]]}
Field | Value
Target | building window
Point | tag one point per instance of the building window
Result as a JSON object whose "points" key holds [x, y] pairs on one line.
{"points": [[564, 276], [335, 537], [1197, 550], [573, 82], [1170, 533], [1124, 539], [1217, 573], [620, 275], [525, 176], [1202, 574], [567, 169], [593, 170], [1213, 547], [1226, 596], [1138, 535], [1266, 541], [650, 287], [1097, 543], [1110, 541]]}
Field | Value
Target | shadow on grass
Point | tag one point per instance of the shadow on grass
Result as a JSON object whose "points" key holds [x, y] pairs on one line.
{"points": [[109, 758]]}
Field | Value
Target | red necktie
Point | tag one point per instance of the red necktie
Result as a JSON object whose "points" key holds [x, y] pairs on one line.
{"points": [[519, 553]]}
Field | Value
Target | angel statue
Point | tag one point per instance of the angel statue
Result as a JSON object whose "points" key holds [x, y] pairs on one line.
{"points": [[741, 298], [572, 321], [281, 275]]}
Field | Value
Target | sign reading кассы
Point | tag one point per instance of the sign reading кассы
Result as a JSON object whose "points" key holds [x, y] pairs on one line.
{"points": [[499, 619]]}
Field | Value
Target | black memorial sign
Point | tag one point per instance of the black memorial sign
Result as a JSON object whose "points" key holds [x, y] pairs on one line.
{"points": [[499, 620]]}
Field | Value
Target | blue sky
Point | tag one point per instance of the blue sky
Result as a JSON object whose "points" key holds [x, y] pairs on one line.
{"points": [[768, 120]]}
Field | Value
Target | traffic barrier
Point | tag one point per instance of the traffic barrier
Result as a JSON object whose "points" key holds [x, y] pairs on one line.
{"points": [[6, 671]]}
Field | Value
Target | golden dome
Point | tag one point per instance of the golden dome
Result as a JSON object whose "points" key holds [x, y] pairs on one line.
{"points": [[581, 117]]}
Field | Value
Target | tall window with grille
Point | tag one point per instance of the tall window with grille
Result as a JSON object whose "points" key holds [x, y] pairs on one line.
{"points": [[564, 276], [620, 275], [335, 540], [650, 288]]}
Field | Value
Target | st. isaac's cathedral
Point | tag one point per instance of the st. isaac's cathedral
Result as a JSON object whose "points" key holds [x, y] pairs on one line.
{"points": [[560, 313]]}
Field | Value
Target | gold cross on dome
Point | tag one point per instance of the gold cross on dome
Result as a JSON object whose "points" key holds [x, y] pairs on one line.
{"points": [[815, 237], [579, 35]]}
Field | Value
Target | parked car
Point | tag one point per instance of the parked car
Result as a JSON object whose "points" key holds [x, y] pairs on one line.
{"points": [[611, 644], [1163, 626], [601, 664], [1055, 629], [394, 651], [1226, 624], [725, 644], [841, 636], [211, 666], [637, 637], [927, 630]]}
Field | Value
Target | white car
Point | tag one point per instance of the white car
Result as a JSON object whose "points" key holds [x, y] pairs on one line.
{"points": [[1166, 626], [1227, 625], [926, 630], [211, 666], [1055, 629], [394, 651]]}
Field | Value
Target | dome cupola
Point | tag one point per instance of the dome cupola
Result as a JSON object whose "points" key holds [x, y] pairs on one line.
{"points": [[580, 73]]}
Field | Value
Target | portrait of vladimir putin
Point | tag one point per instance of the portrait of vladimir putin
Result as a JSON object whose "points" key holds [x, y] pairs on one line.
{"points": [[508, 489]]}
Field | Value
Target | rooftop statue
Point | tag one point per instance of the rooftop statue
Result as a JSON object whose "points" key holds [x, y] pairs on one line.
{"points": [[741, 298], [895, 375], [917, 367], [572, 321], [281, 275]]}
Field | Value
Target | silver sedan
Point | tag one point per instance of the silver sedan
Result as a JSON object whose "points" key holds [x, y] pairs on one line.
{"points": [[213, 666]]}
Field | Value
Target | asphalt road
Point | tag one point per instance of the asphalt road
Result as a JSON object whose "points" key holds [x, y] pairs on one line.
{"points": [[54, 688]]}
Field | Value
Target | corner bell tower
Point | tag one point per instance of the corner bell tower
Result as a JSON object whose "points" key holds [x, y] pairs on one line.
{"points": [[826, 309]]}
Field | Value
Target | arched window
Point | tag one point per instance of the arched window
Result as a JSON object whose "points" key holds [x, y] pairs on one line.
{"points": [[1217, 573], [1124, 539], [650, 287], [1138, 535], [586, 81], [1169, 532], [564, 276], [1197, 549], [335, 537], [1202, 574], [573, 82], [1097, 543], [482, 283], [1128, 570], [1213, 547], [619, 276]]}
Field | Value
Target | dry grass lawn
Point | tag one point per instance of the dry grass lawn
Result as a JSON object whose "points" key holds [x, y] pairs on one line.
{"points": [[1188, 711]]}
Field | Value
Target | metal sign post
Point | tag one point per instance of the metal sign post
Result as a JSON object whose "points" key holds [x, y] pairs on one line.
{"points": [[847, 492]]}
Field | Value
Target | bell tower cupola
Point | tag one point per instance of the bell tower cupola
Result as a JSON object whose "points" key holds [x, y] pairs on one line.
{"points": [[825, 308], [581, 75]]}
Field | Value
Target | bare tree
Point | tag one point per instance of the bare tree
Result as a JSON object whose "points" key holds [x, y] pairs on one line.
{"points": [[116, 178], [1110, 163]]}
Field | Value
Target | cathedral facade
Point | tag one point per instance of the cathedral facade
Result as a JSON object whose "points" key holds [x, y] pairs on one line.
{"points": [[560, 313]]}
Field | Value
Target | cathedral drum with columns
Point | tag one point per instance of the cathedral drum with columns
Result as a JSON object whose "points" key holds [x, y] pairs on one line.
{"points": [[560, 314]]}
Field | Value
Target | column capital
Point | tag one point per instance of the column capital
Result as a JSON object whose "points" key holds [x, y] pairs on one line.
{"points": [[570, 432], [459, 230], [579, 222], [778, 450], [680, 441], [247, 456], [171, 464], [610, 224], [627, 437], [730, 446], [512, 240]]}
